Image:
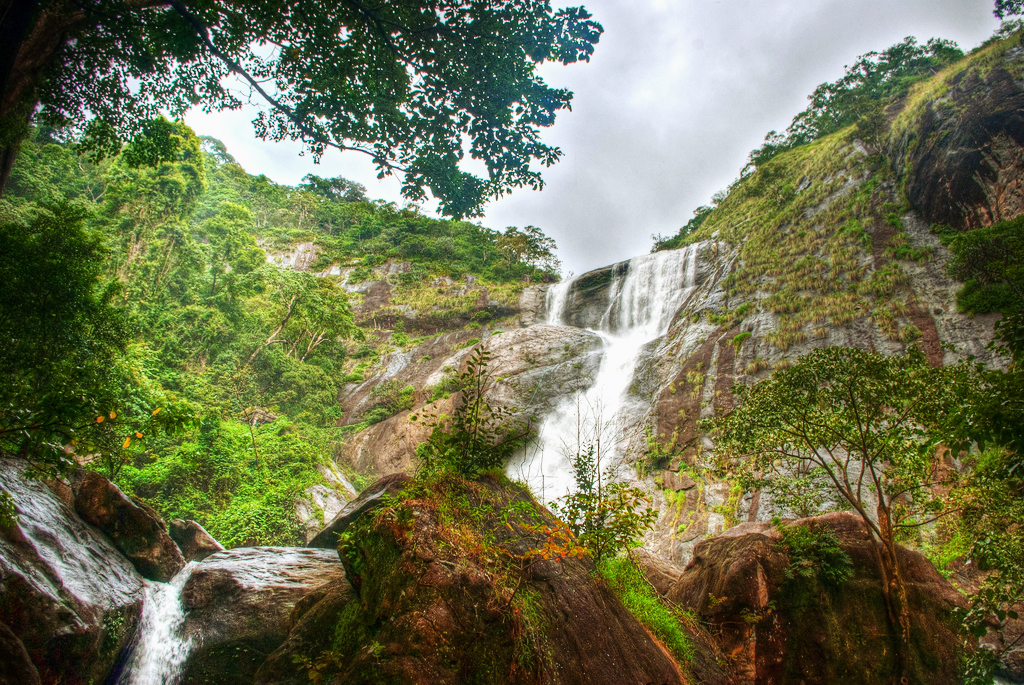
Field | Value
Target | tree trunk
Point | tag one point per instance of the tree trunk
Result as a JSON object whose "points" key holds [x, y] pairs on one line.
{"points": [[29, 40], [895, 593]]}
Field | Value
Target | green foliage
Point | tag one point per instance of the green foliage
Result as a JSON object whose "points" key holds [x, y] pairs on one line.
{"points": [[476, 437], [389, 398], [860, 96], [448, 385], [70, 376], [805, 491], [738, 339], [528, 246], [990, 262], [241, 485], [838, 407], [679, 239], [815, 554], [8, 512], [606, 517], [419, 108], [637, 595]]}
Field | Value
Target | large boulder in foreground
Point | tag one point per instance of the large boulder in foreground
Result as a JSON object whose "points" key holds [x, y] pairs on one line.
{"points": [[458, 582], [66, 594], [239, 606], [137, 531], [783, 628]]}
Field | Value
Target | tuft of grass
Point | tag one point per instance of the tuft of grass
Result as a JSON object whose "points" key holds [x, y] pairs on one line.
{"points": [[636, 594]]}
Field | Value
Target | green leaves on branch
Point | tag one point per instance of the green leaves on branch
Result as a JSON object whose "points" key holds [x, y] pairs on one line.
{"points": [[416, 86], [607, 517]]}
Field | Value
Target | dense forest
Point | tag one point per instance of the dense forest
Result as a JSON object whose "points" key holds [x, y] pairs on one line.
{"points": [[149, 328]]}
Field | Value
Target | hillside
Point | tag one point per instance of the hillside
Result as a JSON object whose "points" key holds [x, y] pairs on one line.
{"points": [[267, 367]]}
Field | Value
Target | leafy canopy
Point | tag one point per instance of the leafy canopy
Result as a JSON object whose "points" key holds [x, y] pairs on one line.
{"points": [[866, 421], [415, 85]]}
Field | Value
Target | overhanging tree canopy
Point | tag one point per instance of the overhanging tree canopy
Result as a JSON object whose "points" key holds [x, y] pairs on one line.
{"points": [[415, 84]]}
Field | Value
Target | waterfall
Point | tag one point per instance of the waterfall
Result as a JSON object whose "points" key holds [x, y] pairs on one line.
{"points": [[161, 650], [642, 302]]}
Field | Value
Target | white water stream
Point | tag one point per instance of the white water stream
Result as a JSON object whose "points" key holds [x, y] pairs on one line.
{"points": [[641, 305], [158, 656]]}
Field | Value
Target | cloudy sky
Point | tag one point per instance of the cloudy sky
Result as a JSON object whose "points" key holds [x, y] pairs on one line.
{"points": [[678, 93]]}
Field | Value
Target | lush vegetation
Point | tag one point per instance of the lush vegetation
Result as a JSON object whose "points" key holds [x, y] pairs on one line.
{"points": [[146, 328], [414, 85]]}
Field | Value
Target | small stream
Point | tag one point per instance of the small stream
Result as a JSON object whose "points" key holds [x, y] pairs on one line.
{"points": [[642, 303], [160, 653]]}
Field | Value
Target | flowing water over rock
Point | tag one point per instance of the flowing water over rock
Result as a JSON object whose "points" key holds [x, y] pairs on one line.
{"points": [[162, 647], [642, 301]]}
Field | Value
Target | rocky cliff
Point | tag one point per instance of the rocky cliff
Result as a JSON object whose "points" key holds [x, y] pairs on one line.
{"points": [[831, 243]]}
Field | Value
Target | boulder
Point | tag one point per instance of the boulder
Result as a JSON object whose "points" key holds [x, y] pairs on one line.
{"points": [[193, 540], [453, 588], [308, 620], [16, 668], [371, 497], [239, 606], [136, 530], [66, 593], [783, 628]]}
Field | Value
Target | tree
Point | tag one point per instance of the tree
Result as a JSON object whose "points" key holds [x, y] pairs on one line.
{"points": [[403, 81], [606, 516], [990, 415], [1005, 8], [868, 422], [476, 437], [528, 246], [67, 373], [874, 80]]}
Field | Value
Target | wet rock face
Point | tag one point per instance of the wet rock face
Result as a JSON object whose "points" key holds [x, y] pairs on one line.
{"points": [[66, 593], [318, 507], [965, 157], [137, 531], [371, 497], [782, 630], [433, 608], [532, 368], [193, 540], [239, 606]]}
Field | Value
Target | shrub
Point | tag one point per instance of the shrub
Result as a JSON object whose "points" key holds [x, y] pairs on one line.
{"points": [[815, 553], [477, 437]]}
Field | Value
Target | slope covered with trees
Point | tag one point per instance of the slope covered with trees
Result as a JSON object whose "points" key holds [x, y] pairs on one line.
{"points": [[203, 377]]}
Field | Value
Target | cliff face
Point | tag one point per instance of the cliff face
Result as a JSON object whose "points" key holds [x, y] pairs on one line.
{"points": [[828, 244]]}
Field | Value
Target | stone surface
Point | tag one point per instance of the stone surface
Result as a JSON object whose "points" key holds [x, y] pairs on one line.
{"points": [[782, 630], [16, 668], [193, 540], [430, 609], [310, 632], [136, 530], [964, 155], [371, 497], [239, 605], [66, 593], [532, 368], [319, 506]]}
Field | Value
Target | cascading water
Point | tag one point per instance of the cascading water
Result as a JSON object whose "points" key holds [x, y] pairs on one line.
{"points": [[641, 305], [161, 650]]}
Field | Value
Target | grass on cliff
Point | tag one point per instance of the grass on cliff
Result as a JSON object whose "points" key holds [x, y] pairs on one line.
{"points": [[637, 595]]}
